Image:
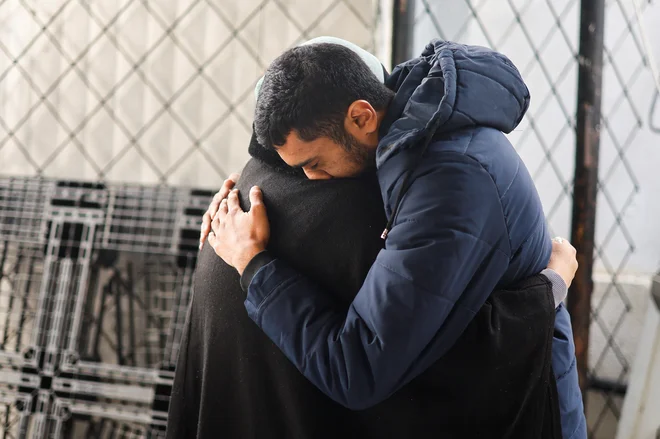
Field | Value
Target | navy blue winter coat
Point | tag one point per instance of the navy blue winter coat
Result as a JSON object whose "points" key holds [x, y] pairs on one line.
{"points": [[468, 220]]}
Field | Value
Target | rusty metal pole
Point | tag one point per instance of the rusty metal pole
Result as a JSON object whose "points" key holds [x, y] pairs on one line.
{"points": [[590, 61], [403, 26]]}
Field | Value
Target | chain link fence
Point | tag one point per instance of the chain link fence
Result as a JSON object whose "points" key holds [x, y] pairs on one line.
{"points": [[541, 37], [147, 91]]}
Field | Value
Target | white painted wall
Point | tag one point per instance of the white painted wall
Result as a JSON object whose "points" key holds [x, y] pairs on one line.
{"points": [[639, 417]]}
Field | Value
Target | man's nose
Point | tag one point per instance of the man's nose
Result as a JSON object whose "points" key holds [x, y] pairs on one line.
{"points": [[317, 175]]}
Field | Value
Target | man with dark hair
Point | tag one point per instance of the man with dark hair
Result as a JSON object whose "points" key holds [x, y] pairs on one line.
{"points": [[232, 382], [464, 217]]}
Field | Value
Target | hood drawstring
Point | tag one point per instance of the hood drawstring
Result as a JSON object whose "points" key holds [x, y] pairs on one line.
{"points": [[407, 181]]}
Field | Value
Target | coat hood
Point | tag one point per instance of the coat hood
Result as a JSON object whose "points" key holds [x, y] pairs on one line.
{"points": [[451, 87]]}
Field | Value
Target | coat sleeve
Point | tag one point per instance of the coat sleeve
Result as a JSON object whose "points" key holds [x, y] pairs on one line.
{"points": [[446, 253], [564, 366]]}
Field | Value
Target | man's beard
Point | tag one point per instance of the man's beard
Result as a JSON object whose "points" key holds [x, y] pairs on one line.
{"points": [[362, 155]]}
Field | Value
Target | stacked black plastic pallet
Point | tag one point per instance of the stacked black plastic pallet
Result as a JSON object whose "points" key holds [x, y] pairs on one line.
{"points": [[95, 280]]}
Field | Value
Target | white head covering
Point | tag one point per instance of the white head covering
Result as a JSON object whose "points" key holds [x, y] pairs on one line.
{"points": [[369, 59]]}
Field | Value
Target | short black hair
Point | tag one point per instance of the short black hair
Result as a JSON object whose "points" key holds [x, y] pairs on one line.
{"points": [[309, 89]]}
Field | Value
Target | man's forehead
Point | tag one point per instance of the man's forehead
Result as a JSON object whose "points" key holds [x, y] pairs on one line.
{"points": [[296, 160], [297, 152]]}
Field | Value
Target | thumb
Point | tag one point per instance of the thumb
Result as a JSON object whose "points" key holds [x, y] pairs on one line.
{"points": [[256, 200]]}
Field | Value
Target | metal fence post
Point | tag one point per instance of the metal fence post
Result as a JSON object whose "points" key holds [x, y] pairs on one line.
{"points": [[403, 26], [590, 61]]}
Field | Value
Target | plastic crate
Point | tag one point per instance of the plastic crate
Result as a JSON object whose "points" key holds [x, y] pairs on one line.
{"points": [[95, 281]]}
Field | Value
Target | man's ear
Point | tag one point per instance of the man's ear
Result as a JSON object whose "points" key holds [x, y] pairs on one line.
{"points": [[361, 117]]}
